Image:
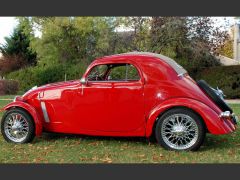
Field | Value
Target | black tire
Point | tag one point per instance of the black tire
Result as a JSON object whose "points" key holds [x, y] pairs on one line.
{"points": [[212, 95], [31, 133], [198, 120]]}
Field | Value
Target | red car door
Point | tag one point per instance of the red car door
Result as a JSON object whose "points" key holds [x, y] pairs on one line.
{"points": [[91, 104], [126, 99], [110, 101], [127, 106]]}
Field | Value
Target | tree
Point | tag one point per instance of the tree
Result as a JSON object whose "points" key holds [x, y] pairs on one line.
{"points": [[202, 29], [18, 45], [72, 39], [227, 49], [192, 41], [139, 32], [169, 35]]}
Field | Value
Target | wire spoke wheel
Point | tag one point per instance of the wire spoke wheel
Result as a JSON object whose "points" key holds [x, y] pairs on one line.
{"points": [[179, 131], [16, 127]]}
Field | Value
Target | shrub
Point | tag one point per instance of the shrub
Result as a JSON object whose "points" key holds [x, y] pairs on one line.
{"points": [[11, 63], [25, 77], [226, 78], [33, 76], [8, 87]]}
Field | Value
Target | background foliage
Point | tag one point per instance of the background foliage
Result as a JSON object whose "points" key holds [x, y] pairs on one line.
{"points": [[68, 44], [226, 78], [8, 87]]}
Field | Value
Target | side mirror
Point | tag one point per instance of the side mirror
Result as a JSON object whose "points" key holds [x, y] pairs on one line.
{"points": [[84, 81]]}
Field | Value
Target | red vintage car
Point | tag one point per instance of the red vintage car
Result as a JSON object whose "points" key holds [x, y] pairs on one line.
{"points": [[131, 94]]}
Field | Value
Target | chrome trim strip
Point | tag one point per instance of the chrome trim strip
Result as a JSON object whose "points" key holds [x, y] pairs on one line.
{"points": [[181, 75], [45, 114]]}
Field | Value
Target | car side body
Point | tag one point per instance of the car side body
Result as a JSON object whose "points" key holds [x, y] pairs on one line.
{"points": [[120, 108]]}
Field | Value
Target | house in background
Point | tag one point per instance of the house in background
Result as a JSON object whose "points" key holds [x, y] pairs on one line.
{"points": [[236, 48], [236, 42]]}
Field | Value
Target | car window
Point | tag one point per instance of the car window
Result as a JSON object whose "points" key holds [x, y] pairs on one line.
{"points": [[123, 72], [98, 73], [132, 73]]}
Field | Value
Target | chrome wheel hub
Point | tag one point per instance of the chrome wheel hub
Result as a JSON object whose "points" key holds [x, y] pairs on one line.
{"points": [[16, 127], [179, 131]]}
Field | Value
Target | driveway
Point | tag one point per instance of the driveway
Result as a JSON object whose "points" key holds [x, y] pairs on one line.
{"points": [[233, 101]]}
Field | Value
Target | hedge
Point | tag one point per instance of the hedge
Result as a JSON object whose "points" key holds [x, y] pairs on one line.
{"points": [[226, 78], [33, 76]]}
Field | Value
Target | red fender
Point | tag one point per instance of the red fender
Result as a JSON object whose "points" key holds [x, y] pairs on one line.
{"points": [[32, 112], [214, 124]]}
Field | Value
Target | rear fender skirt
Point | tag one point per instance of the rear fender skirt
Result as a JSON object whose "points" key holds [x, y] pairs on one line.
{"points": [[31, 110], [214, 124]]}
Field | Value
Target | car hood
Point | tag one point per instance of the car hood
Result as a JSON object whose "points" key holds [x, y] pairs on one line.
{"points": [[35, 90], [64, 83]]}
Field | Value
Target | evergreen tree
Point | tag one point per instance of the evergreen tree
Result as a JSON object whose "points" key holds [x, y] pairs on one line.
{"points": [[18, 45]]}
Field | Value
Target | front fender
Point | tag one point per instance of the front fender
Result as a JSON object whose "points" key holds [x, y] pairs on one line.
{"points": [[214, 124], [31, 110]]}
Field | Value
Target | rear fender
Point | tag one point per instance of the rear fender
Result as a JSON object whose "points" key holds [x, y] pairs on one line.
{"points": [[214, 124], [31, 110]]}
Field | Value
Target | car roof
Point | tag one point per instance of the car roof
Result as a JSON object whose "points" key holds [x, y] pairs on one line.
{"points": [[178, 68]]}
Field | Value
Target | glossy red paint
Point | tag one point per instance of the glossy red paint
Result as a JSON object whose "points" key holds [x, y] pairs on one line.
{"points": [[119, 108]]}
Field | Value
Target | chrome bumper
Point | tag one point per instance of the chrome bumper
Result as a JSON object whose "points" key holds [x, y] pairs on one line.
{"points": [[228, 115]]}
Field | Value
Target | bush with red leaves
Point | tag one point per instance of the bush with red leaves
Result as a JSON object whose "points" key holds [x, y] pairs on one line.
{"points": [[11, 63], [8, 87]]}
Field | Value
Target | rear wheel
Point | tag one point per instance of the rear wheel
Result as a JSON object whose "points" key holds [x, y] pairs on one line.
{"points": [[180, 129], [17, 126]]}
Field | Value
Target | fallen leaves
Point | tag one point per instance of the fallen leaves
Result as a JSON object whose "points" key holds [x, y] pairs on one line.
{"points": [[141, 155], [106, 160], [94, 143], [158, 157]]}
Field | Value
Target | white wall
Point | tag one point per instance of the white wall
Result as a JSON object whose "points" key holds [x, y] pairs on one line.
{"points": [[236, 42], [227, 61]]}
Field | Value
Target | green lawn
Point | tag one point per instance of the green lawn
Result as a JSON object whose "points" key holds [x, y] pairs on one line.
{"points": [[52, 148], [4, 102]]}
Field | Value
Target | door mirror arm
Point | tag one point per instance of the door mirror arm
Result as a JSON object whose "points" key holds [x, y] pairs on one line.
{"points": [[83, 81]]}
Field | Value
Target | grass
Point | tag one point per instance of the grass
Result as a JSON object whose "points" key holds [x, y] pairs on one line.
{"points": [[4, 102], [54, 148]]}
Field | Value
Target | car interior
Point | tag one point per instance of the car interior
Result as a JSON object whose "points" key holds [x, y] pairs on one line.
{"points": [[114, 72]]}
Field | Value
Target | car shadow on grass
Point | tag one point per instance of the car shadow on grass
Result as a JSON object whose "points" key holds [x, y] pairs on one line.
{"points": [[211, 142], [59, 136]]}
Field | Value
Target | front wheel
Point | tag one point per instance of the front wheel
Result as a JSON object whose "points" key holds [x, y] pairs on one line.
{"points": [[17, 126], [180, 129]]}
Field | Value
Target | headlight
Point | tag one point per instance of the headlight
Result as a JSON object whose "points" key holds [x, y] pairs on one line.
{"points": [[34, 87], [17, 98]]}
